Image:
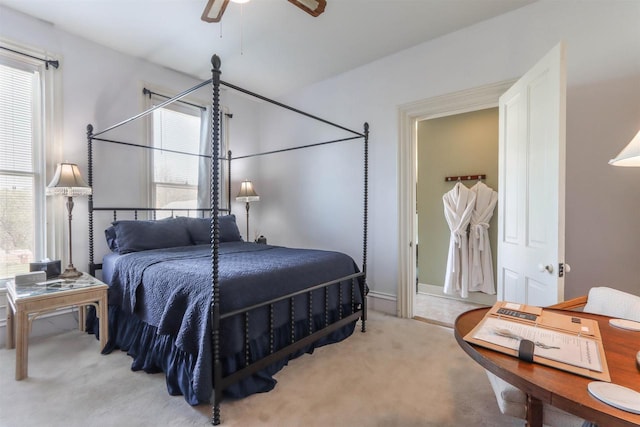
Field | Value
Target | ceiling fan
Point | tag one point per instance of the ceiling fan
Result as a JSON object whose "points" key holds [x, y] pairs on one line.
{"points": [[215, 8]]}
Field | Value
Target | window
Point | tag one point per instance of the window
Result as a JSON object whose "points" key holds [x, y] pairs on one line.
{"points": [[179, 180], [22, 166], [175, 175]]}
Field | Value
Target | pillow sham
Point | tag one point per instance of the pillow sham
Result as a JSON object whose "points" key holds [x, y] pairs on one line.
{"points": [[135, 236], [200, 229], [110, 235]]}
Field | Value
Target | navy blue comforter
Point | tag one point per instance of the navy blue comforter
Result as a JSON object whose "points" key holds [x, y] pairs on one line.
{"points": [[169, 291]]}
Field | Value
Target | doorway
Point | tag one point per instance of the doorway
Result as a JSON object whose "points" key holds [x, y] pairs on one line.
{"points": [[410, 115], [458, 145], [531, 189]]}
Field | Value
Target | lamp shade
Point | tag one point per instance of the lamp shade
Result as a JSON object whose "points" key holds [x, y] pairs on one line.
{"points": [[247, 193], [630, 155], [67, 181]]}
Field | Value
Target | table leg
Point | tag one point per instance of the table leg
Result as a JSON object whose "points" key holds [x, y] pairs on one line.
{"points": [[534, 412], [82, 311], [104, 321], [11, 341], [22, 344]]}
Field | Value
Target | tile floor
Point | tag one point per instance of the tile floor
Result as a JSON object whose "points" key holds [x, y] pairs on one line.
{"points": [[440, 310]]}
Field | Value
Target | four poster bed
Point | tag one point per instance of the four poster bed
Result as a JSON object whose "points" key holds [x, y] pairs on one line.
{"points": [[220, 316]]}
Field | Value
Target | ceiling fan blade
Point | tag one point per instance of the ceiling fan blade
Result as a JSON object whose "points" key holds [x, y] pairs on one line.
{"points": [[312, 7], [213, 10]]}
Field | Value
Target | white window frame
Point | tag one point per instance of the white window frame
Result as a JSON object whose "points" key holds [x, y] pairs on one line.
{"points": [[47, 146]]}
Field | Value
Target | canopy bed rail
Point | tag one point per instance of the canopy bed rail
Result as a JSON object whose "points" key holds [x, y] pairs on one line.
{"points": [[152, 109], [327, 309], [280, 104]]}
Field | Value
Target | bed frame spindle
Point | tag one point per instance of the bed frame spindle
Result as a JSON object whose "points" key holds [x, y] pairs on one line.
{"points": [[326, 307], [353, 296], [310, 313], [247, 358], [92, 269], [363, 285], [292, 319]]}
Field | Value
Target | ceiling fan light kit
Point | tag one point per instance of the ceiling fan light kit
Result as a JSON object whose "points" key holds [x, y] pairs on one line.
{"points": [[214, 9]]}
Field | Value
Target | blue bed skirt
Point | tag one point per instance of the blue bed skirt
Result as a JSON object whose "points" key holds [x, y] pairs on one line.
{"points": [[155, 353]]}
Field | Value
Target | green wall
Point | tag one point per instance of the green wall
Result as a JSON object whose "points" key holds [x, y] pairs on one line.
{"points": [[462, 144]]}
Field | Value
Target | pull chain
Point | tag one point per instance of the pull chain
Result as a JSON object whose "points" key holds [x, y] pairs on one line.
{"points": [[241, 29]]}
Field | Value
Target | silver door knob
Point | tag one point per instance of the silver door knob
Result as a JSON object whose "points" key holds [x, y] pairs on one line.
{"points": [[543, 268], [567, 268]]}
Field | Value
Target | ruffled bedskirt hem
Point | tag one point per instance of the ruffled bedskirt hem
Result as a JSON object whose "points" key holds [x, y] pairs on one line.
{"points": [[155, 353]]}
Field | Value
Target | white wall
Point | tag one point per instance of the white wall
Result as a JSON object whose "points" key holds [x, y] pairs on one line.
{"points": [[312, 197], [603, 73]]}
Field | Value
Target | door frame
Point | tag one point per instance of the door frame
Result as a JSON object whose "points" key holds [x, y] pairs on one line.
{"points": [[409, 115]]}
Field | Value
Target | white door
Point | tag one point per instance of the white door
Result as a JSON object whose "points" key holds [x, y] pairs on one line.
{"points": [[531, 185]]}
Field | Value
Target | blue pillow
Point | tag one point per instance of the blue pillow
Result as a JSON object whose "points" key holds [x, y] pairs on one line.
{"points": [[110, 234], [200, 229], [134, 236]]}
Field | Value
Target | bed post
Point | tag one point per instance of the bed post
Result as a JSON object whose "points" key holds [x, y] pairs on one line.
{"points": [[215, 239], [363, 289], [229, 181], [92, 267]]}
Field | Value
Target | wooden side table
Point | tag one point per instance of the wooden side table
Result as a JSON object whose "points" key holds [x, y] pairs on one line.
{"points": [[28, 302]]}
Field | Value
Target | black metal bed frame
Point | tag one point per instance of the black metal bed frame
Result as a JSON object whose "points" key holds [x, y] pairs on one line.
{"points": [[358, 311]]}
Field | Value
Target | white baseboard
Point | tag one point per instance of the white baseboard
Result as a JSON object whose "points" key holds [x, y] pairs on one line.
{"points": [[474, 297], [385, 303]]}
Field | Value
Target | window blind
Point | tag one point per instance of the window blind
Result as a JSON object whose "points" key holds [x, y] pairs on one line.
{"points": [[17, 169]]}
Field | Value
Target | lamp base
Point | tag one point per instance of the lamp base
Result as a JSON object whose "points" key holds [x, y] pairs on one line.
{"points": [[70, 273]]}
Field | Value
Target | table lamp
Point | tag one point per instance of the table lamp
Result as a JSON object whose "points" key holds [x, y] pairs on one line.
{"points": [[68, 182], [247, 194], [630, 155]]}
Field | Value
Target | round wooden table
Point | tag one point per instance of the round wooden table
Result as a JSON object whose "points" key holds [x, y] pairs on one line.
{"points": [[564, 390]]}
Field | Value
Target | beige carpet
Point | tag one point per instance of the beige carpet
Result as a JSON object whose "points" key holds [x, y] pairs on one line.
{"points": [[399, 373]]}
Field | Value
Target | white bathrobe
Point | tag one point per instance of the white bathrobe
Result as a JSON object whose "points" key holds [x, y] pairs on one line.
{"points": [[480, 260], [458, 206]]}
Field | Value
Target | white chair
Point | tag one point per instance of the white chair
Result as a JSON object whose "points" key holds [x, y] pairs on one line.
{"points": [[601, 300]]}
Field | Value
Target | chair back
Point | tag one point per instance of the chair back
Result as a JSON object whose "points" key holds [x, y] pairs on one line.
{"points": [[613, 303]]}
